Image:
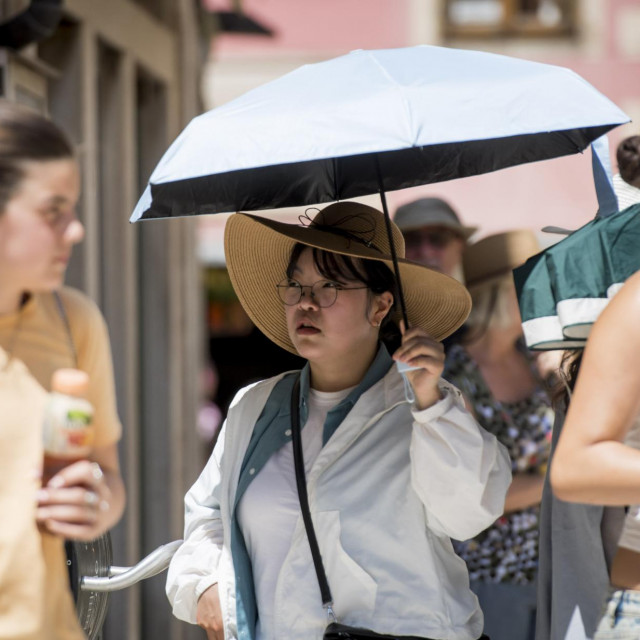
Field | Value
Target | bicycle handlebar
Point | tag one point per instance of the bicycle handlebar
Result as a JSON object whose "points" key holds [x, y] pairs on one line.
{"points": [[123, 577]]}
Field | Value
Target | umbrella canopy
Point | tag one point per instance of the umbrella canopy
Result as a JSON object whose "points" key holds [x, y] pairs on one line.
{"points": [[563, 290], [372, 121]]}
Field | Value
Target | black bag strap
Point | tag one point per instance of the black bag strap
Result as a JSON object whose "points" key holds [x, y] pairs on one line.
{"points": [[301, 482]]}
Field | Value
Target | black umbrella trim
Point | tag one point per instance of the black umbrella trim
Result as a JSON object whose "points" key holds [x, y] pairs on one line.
{"points": [[332, 179]]}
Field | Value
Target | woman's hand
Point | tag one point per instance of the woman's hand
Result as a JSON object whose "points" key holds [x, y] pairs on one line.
{"points": [[419, 349], [209, 613], [85, 499], [75, 502]]}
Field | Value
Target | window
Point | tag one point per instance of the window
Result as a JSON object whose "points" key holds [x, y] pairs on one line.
{"points": [[507, 18]]}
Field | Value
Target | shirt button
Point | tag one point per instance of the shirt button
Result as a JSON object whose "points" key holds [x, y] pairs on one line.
{"points": [[287, 432], [252, 472]]}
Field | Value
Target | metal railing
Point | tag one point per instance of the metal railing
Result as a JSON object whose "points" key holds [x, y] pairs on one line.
{"points": [[93, 577], [122, 577]]}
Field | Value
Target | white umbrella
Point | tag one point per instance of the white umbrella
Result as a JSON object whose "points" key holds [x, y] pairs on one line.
{"points": [[427, 114], [373, 121]]}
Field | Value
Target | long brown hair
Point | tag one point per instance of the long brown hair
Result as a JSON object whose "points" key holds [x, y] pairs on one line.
{"points": [[26, 136], [567, 377]]}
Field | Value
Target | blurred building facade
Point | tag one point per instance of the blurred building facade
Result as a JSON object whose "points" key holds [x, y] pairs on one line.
{"points": [[122, 78]]}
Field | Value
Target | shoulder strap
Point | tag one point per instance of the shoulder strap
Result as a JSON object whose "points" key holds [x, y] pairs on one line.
{"points": [[67, 326], [301, 481]]}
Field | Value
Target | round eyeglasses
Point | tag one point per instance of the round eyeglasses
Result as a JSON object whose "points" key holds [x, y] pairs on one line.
{"points": [[324, 293]]}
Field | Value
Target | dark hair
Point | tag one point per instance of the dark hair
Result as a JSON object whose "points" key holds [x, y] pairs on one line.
{"points": [[628, 157], [373, 273], [26, 136]]}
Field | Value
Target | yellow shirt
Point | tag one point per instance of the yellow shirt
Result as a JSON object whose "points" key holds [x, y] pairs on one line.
{"points": [[35, 599]]}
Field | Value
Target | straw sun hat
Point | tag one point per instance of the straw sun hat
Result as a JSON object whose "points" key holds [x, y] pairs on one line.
{"points": [[258, 251], [497, 255]]}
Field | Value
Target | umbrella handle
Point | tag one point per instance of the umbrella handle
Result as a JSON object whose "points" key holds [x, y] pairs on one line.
{"points": [[394, 257]]}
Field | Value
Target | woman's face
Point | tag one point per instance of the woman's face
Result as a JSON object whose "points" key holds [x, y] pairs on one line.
{"points": [[38, 226], [320, 333]]}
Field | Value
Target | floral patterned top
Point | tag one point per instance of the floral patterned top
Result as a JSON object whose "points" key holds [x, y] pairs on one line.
{"points": [[508, 550]]}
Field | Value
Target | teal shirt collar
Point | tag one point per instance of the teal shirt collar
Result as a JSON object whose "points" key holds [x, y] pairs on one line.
{"points": [[377, 370]]}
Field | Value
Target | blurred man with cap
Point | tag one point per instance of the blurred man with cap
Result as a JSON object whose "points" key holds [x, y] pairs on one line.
{"points": [[434, 235]]}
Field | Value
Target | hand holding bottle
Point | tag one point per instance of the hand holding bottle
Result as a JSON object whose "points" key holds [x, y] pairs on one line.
{"points": [[75, 504], [75, 498], [67, 428]]}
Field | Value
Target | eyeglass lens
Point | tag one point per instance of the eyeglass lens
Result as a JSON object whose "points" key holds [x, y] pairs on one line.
{"points": [[323, 292]]}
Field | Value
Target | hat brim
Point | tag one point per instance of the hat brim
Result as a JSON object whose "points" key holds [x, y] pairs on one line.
{"points": [[258, 251], [464, 232]]}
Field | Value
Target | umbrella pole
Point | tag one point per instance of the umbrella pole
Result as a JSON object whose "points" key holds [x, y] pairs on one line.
{"points": [[394, 256]]}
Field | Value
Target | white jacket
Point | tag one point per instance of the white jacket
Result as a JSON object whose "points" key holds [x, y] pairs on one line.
{"points": [[386, 493]]}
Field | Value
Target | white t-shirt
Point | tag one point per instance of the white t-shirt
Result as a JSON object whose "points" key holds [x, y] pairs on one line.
{"points": [[269, 509]]}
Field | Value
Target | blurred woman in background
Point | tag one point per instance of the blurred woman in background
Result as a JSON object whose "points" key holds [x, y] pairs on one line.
{"points": [[507, 393], [626, 182], [44, 327]]}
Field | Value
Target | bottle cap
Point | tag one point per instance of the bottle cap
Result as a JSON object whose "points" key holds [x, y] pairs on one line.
{"points": [[72, 382]]}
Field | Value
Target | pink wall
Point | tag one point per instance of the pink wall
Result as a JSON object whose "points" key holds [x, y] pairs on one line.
{"points": [[327, 25], [555, 192]]}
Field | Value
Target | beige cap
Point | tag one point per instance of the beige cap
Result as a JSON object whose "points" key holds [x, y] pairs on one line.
{"points": [[430, 212]]}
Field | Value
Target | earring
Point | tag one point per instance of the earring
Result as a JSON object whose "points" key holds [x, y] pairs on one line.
{"points": [[375, 323]]}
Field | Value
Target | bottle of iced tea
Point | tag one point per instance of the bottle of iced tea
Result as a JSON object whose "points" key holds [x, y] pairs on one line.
{"points": [[67, 429]]}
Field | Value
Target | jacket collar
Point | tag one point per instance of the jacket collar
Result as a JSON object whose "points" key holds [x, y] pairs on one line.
{"points": [[377, 370]]}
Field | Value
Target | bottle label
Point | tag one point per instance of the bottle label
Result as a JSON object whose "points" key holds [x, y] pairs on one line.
{"points": [[67, 429]]}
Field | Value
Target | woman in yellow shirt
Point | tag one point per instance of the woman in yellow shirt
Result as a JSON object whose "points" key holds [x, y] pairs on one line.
{"points": [[43, 327]]}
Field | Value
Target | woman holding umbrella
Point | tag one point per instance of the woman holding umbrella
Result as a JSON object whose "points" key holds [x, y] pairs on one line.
{"points": [[394, 467]]}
